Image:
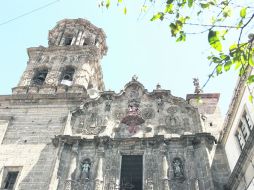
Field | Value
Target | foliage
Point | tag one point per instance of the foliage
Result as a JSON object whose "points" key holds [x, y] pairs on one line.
{"points": [[225, 16]]}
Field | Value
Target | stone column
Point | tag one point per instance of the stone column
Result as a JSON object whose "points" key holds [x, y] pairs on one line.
{"points": [[73, 164], [99, 175], [165, 183]]}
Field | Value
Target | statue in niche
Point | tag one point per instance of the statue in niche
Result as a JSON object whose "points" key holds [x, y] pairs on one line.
{"points": [[107, 106], [160, 103], [108, 102], [178, 168], [85, 169]]}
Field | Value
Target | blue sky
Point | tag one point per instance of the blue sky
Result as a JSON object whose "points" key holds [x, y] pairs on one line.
{"points": [[135, 46]]}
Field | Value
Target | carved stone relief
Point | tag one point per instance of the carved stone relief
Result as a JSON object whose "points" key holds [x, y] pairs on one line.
{"points": [[90, 124], [173, 121], [172, 109], [134, 94], [148, 113], [118, 114]]}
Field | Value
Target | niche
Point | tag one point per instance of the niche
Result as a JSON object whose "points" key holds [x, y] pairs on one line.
{"points": [[40, 77], [67, 76]]}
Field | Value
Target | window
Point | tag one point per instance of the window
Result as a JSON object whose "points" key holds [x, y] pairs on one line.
{"points": [[68, 40], [245, 127], [40, 77], [10, 177], [10, 180], [67, 76], [132, 172]]}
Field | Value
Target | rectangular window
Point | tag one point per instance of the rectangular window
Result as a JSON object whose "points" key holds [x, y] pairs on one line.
{"points": [[248, 120], [10, 180], [10, 177], [245, 127], [132, 172], [240, 138]]}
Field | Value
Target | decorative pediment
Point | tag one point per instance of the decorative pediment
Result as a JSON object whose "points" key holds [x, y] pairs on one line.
{"points": [[134, 112]]}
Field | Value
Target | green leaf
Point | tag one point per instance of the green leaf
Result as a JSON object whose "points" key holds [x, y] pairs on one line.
{"points": [[170, 1], [232, 47], [159, 15], [224, 57], [250, 79], [169, 9], [173, 29], [190, 3], [219, 69], [237, 64], [198, 13], [243, 12], [125, 10], [182, 37], [214, 41], [216, 59], [251, 61], [107, 3], [227, 11], [227, 65], [119, 1], [204, 5]]}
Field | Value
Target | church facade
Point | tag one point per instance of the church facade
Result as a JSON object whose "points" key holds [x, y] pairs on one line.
{"points": [[60, 130]]}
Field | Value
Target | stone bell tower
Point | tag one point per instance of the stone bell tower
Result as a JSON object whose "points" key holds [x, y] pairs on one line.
{"points": [[70, 63]]}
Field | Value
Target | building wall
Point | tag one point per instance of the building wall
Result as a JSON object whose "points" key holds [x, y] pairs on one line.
{"points": [[232, 145], [240, 158], [27, 128]]}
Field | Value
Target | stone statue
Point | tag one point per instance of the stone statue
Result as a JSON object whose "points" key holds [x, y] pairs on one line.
{"points": [[198, 90], [85, 167], [107, 105], [160, 103], [178, 168]]}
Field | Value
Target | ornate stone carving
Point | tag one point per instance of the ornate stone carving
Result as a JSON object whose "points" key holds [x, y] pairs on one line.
{"points": [[172, 121], [118, 114], [148, 113], [134, 94], [91, 124], [133, 118], [172, 109]]}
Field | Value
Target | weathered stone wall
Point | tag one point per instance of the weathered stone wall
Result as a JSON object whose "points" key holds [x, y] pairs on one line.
{"points": [[190, 150], [27, 140]]}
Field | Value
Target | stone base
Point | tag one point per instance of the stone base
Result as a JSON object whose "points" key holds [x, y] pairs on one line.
{"points": [[47, 90]]}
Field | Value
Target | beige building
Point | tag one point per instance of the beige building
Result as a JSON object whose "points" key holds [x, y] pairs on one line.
{"points": [[238, 136]]}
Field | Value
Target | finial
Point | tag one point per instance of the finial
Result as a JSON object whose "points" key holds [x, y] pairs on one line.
{"points": [[198, 90], [158, 87], [135, 78]]}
